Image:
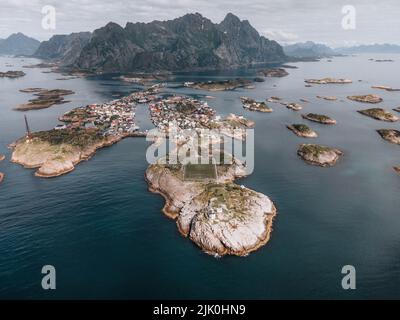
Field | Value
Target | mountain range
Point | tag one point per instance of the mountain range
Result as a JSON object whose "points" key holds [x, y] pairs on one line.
{"points": [[18, 44], [191, 42], [308, 49]]}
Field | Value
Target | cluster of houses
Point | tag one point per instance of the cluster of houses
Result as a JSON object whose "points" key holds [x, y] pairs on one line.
{"points": [[111, 118], [183, 112]]}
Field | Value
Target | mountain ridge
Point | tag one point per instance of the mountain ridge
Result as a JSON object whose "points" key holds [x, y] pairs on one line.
{"points": [[190, 42]]}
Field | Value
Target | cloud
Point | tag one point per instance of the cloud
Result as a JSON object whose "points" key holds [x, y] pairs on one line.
{"points": [[280, 35]]}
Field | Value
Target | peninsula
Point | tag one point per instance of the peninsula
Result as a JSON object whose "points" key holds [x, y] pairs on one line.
{"points": [[216, 214], [86, 129]]}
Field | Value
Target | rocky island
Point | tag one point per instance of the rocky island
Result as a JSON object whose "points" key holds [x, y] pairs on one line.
{"points": [[319, 155], [219, 85], [379, 114], [253, 105], [387, 88], [397, 109], [390, 135], [302, 130], [328, 81], [45, 98], [217, 215], [2, 157], [274, 73], [12, 74], [368, 98], [320, 118], [294, 106], [397, 169]]}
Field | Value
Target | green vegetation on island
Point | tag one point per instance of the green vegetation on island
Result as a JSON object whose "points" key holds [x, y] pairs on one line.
{"points": [[319, 155], [320, 118], [379, 114]]}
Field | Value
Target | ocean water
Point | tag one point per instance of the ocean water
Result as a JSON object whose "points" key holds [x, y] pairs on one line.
{"points": [[107, 237]]}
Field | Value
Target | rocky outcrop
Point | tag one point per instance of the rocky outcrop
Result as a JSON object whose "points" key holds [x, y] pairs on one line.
{"points": [[45, 98], [397, 169], [320, 118], [63, 48], [379, 114], [302, 130], [219, 85], [328, 81], [12, 74], [274, 73], [294, 106], [191, 42], [390, 135], [219, 216], [368, 98], [319, 155], [53, 158], [252, 105], [2, 157]]}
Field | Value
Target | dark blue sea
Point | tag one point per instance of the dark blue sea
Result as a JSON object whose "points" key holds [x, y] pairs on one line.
{"points": [[106, 235]]}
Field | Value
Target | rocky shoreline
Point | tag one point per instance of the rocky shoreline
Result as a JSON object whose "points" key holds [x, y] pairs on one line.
{"points": [[218, 216], [45, 98], [379, 114], [390, 135], [322, 156], [2, 157], [302, 130], [53, 160], [12, 74], [368, 98], [320, 118]]}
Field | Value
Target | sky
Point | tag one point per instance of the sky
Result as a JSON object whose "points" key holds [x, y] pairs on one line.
{"points": [[286, 21]]}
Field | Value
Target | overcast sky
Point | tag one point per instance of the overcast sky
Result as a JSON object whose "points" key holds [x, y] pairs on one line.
{"points": [[377, 21]]}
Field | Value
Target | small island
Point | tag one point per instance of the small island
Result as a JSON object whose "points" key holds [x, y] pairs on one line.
{"points": [[12, 74], [328, 98], [45, 98], [397, 109], [328, 80], [253, 105], [302, 130], [2, 157], [274, 73], [397, 169], [320, 118], [379, 114], [220, 85], [294, 106], [368, 98], [387, 88], [390, 135], [322, 156]]}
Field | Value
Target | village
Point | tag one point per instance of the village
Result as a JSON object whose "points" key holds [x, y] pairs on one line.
{"points": [[111, 118]]}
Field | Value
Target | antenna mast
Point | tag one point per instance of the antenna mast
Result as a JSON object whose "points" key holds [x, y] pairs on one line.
{"points": [[28, 131]]}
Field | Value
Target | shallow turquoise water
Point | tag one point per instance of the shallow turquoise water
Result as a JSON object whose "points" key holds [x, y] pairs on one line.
{"points": [[106, 235]]}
